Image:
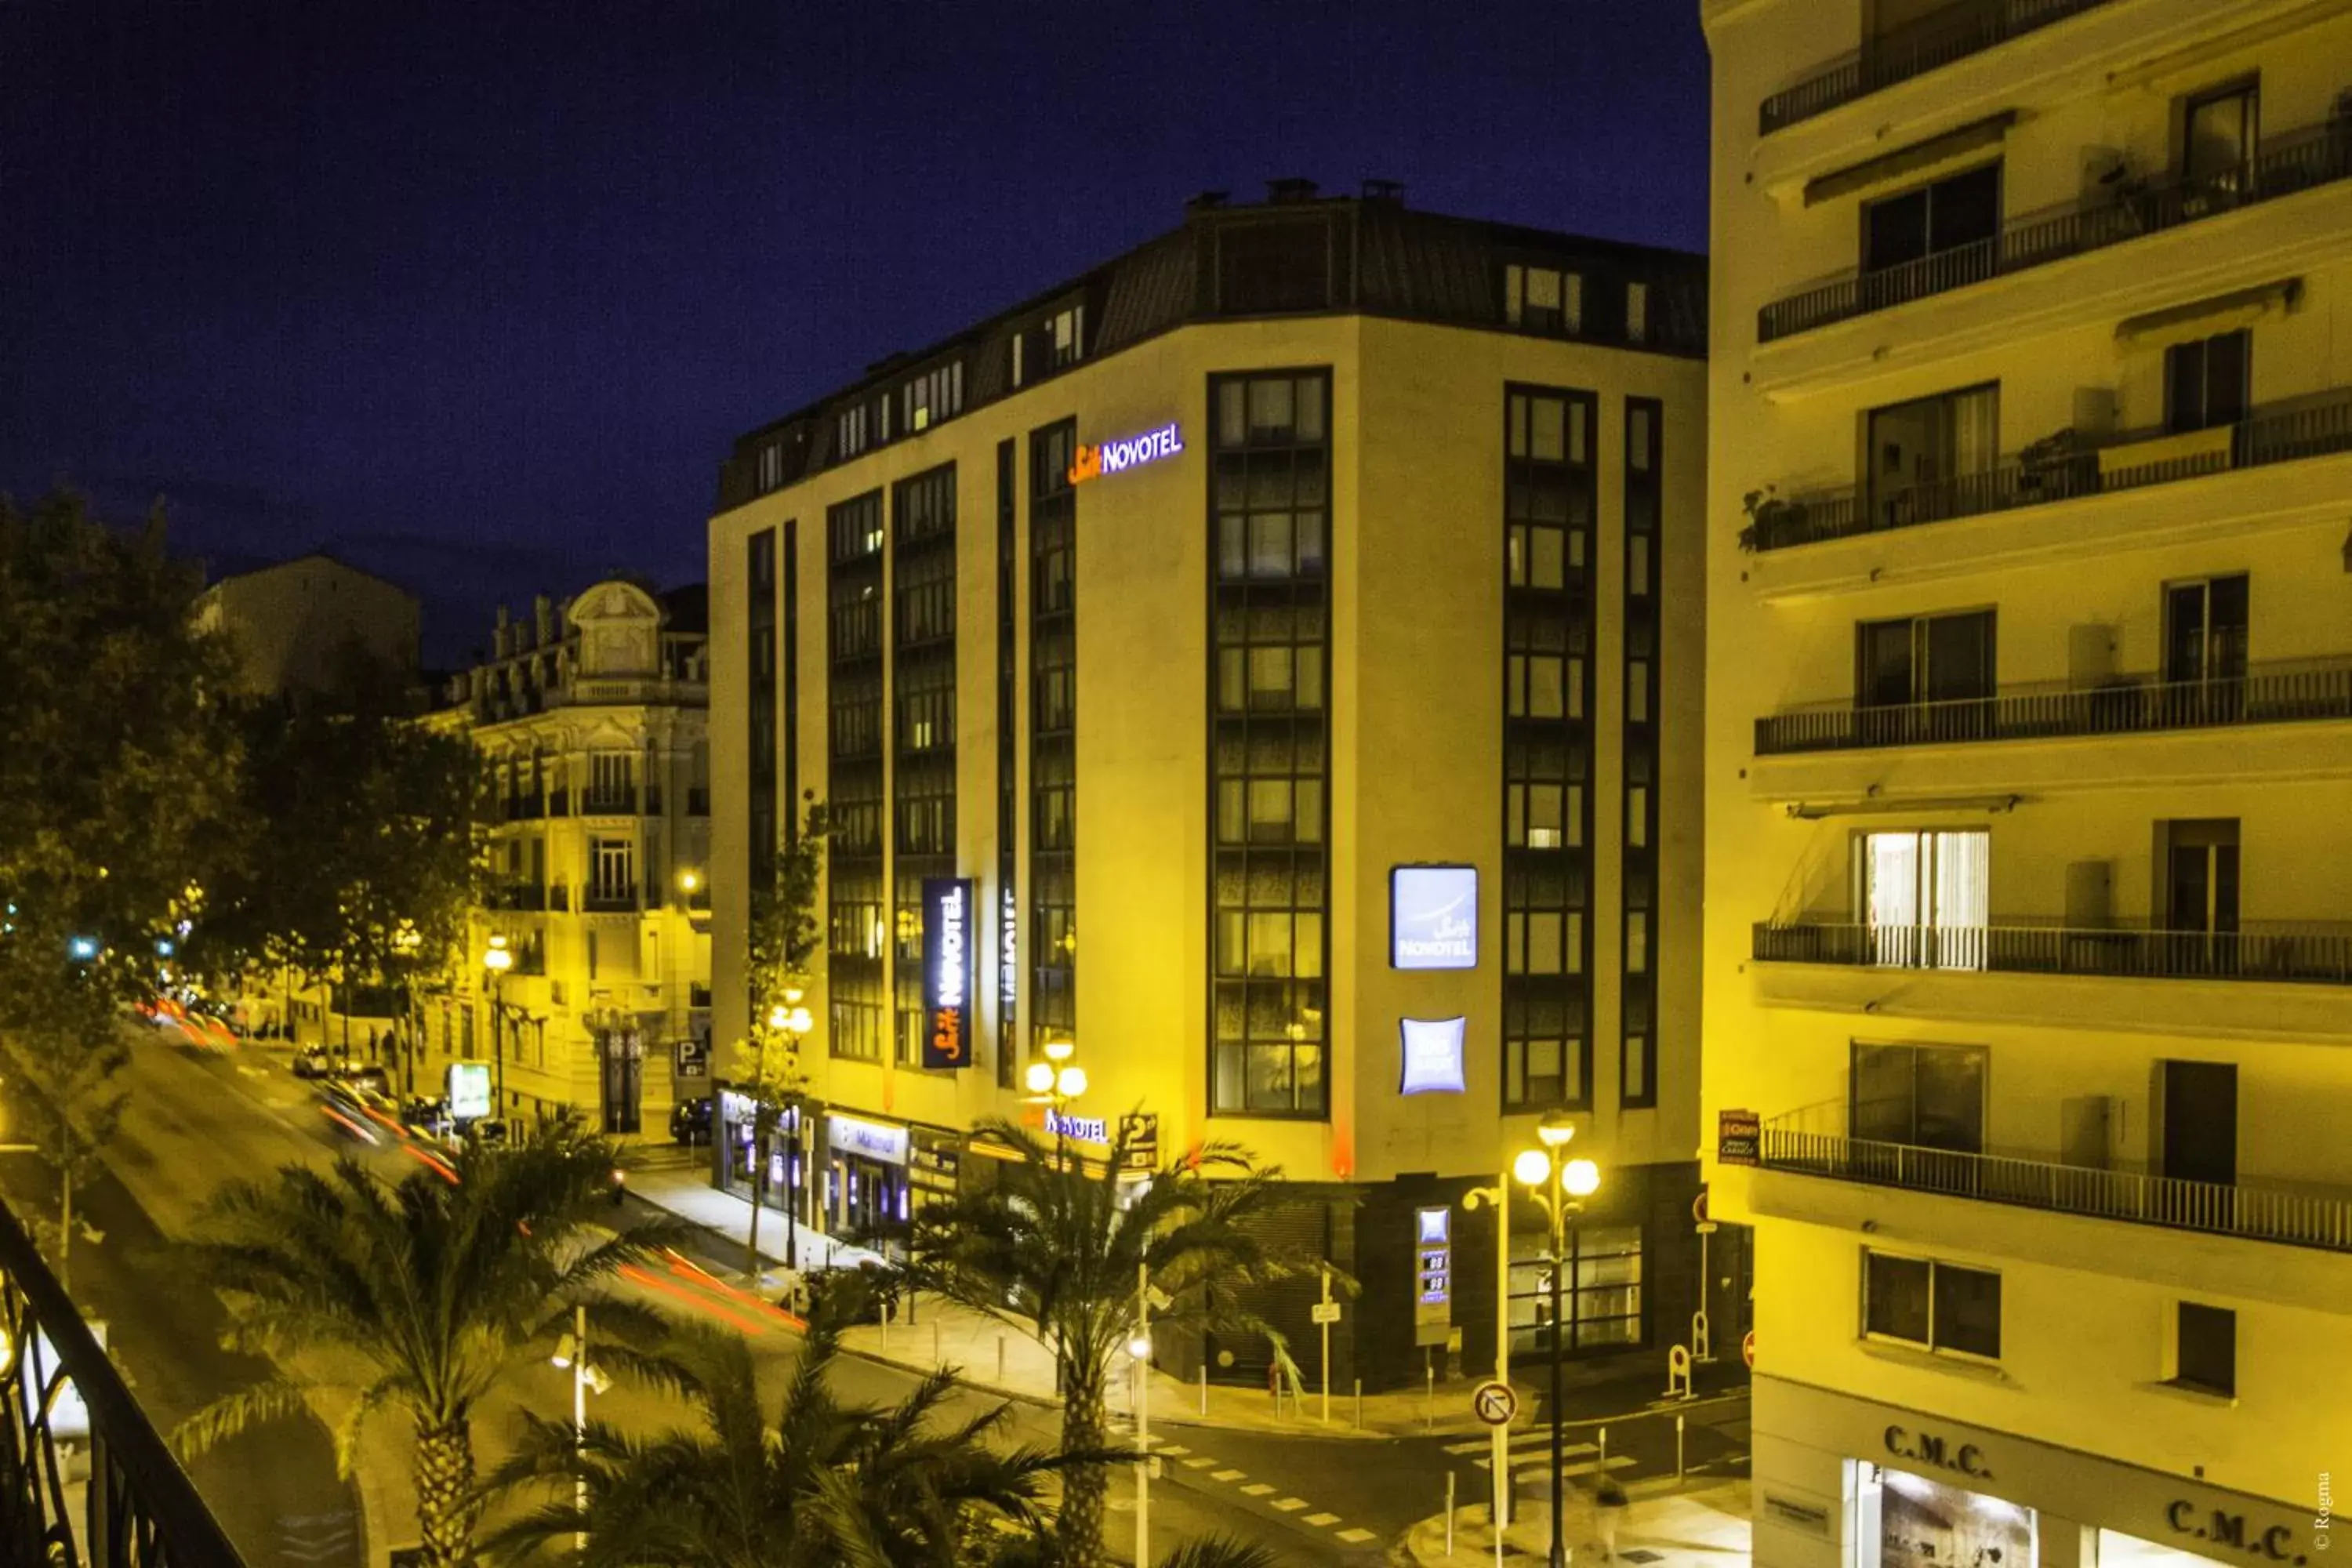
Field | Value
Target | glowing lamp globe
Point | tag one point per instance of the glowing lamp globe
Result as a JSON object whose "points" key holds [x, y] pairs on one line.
{"points": [[1582, 1178], [1533, 1167]]}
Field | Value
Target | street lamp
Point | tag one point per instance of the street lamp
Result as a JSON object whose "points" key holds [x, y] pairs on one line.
{"points": [[571, 1353], [496, 960], [1560, 1185], [690, 882], [1054, 1083], [790, 1017]]}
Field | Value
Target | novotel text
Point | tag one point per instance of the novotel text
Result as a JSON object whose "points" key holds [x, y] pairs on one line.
{"points": [[1128, 452]]}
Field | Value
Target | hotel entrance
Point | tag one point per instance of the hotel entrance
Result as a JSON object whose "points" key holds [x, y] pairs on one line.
{"points": [[866, 1179]]}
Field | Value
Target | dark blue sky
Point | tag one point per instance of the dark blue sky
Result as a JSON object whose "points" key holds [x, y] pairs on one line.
{"points": [[477, 293]]}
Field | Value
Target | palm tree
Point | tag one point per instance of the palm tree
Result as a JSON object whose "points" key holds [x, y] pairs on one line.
{"points": [[1066, 1245], [440, 1288], [899, 1487]]}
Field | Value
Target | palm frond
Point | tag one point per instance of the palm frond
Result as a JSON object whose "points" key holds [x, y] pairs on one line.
{"points": [[232, 1414]]}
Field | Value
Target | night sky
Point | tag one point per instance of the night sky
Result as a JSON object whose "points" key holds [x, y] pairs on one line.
{"points": [[477, 294]]}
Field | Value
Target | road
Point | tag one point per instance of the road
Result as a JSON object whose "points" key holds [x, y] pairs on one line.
{"points": [[197, 1118]]}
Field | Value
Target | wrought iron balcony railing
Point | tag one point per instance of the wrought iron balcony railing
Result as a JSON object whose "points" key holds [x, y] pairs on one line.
{"points": [[2129, 708], [608, 802], [137, 1507], [607, 900], [2257, 1213], [2307, 427], [2318, 155], [1951, 34], [2309, 954]]}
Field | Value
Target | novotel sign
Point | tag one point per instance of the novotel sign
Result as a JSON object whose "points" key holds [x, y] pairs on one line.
{"points": [[947, 971], [1128, 452]]}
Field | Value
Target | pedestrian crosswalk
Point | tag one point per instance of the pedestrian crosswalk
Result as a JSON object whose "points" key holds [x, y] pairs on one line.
{"points": [[1577, 1458]]}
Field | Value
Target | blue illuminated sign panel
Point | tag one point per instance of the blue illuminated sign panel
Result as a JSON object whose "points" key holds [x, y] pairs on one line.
{"points": [[1432, 1056], [1128, 452], [947, 971], [1434, 917]]}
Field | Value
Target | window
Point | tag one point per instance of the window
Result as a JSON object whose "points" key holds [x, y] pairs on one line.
{"points": [[2207, 382], [854, 759], [1933, 458], [1925, 1097], [1601, 1293], [771, 466], [1939, 1306], [2219, 134], [2206, 1356], [2205, 631], [610, 780], [923, 692], [1269, 612], [1637, 312], [1952, 214], [614, 870], [1053, 734], [1924, 659], [1008, 764], [1543, 299], [1924, 898], [850, 432], [1058, 341], [934, 395]]}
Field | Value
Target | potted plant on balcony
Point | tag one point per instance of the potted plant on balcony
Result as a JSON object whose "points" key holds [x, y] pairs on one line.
{"points": [[1769, 519], [2053, 467]]}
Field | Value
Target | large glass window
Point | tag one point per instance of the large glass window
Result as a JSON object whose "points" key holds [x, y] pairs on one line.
{"points": [[1008, 767], [1053, 734], [923, 692], [1269, 617], [1935, 1306], [1550, 493], [2209, 381], [1928, 1097], [855, 964], [1933, 457], [1637, 985], [1601, 1293], [1952, 214], [760, 628], [1925, 897]]}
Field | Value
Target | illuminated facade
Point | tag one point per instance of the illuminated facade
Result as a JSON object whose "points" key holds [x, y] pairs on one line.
{"points": [[590, 718], [1176, 609], [2027, 758]]}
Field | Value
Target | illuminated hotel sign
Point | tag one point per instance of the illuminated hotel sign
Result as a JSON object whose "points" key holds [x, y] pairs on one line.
{"points": [[1008, 954], [1432, 1056], [1129, 452], [1077, 1129], [871, 1138], [947, 971], [1434, 917]]}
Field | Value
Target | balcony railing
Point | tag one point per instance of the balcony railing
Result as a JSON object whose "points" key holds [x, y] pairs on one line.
{"points": [[605, 899], [559, 803], [527, 896], [2316, 156], [2286, 432], [608, 802], [2130, 708], [2312, 955], [137, 1509], [1949, 34], [2259, 1214]]}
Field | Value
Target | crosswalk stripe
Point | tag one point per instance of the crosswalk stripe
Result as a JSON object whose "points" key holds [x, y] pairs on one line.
{"points": [[1172, 1448], [1235, 1475], [1290, 1504], [1256, 1489], [1521, 1463], [1319, 1520], [1355, 1537], [1199, 1462]]}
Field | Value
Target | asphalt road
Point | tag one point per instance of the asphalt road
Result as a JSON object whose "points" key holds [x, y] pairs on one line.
{"points": [[198, 1119]]}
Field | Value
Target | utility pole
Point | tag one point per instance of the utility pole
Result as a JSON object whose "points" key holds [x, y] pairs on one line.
{"points": [[580, 1421]]}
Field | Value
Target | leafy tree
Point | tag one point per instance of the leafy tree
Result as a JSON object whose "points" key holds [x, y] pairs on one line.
{"points": [[1067, 1247], [828, 1483], [784, 936], [441, 1289], [117, 784]]}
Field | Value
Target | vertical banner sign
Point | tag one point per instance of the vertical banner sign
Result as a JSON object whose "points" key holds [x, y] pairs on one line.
{"points": [[1432, 1295], [947, 971]]}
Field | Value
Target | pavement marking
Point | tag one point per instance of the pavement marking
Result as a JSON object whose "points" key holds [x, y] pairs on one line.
{"points": [[1256, 1489], [1355, 1537], [1237, 1475], [1180, 1448], [1201, 1463], [1478, 1446], [1319, 1520], [1290, 1504]]}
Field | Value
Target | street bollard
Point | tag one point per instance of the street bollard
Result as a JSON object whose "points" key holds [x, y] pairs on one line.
{"points": [[1204, 1388], [1449, 1513], [1678, 1450], [884, 1319], [1359, 1405], [1604, 1452], [1429, 1414]]}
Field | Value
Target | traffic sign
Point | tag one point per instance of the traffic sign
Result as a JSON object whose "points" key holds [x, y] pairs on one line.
{"points": [[1494, 1403], [1748, 1349], [1698, 1206], [1326, 1313]]}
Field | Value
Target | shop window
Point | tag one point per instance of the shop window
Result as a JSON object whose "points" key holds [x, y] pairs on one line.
{"points": [[1906, 1520], [2206, 1356], [1600, 1294], [1937, 1306]]}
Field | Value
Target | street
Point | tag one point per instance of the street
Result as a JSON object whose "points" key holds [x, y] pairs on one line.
{"points": [[198, 1119]]}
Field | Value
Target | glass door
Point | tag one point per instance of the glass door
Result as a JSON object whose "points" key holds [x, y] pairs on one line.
{"points": [[1924, 898]]}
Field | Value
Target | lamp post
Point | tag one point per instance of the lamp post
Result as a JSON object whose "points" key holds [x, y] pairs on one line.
{"points": [[1499, 1195], [790, 1018], [572, 1351], [496, 959], [1560, 1184]]}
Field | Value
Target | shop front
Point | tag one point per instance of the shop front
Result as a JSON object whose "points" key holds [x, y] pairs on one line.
{"points": [[1853, 1482], [866, 1175]]}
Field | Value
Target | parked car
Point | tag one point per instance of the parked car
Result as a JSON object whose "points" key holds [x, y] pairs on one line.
{"points": [[489, 1132], [367, 1076], [690, 1122], [311, 1061]]}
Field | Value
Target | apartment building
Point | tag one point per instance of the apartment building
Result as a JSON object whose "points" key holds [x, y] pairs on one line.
{"points": [[291, 623], [590, 717], [2029, 953], [1307, 606]]}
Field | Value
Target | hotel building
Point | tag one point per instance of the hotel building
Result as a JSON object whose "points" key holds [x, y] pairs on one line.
{"points": [[2029, 943], [590, 718], [1311, 552]]}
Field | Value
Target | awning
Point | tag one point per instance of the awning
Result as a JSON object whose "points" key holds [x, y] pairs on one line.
{"points": [[1888, 167], [2205, 317]]}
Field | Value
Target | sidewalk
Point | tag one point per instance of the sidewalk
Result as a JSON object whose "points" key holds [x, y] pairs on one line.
{"points": [[1703, 1526], [1007, 1359]]}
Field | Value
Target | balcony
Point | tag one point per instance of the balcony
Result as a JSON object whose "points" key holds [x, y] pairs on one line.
{"points": [[2126, 708], [608, 802], [1952, 34], [524, 896], [2255, 1213], [2282, 432], [136, 1505], [2305, 954], [2317, 156], [609, 900]]}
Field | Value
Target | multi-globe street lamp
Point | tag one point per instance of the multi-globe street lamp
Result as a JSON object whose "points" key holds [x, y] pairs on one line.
{"points": [[1054, 1083], [496, 959], [572, 1353], [1559, 1185], [790, 1017]]}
